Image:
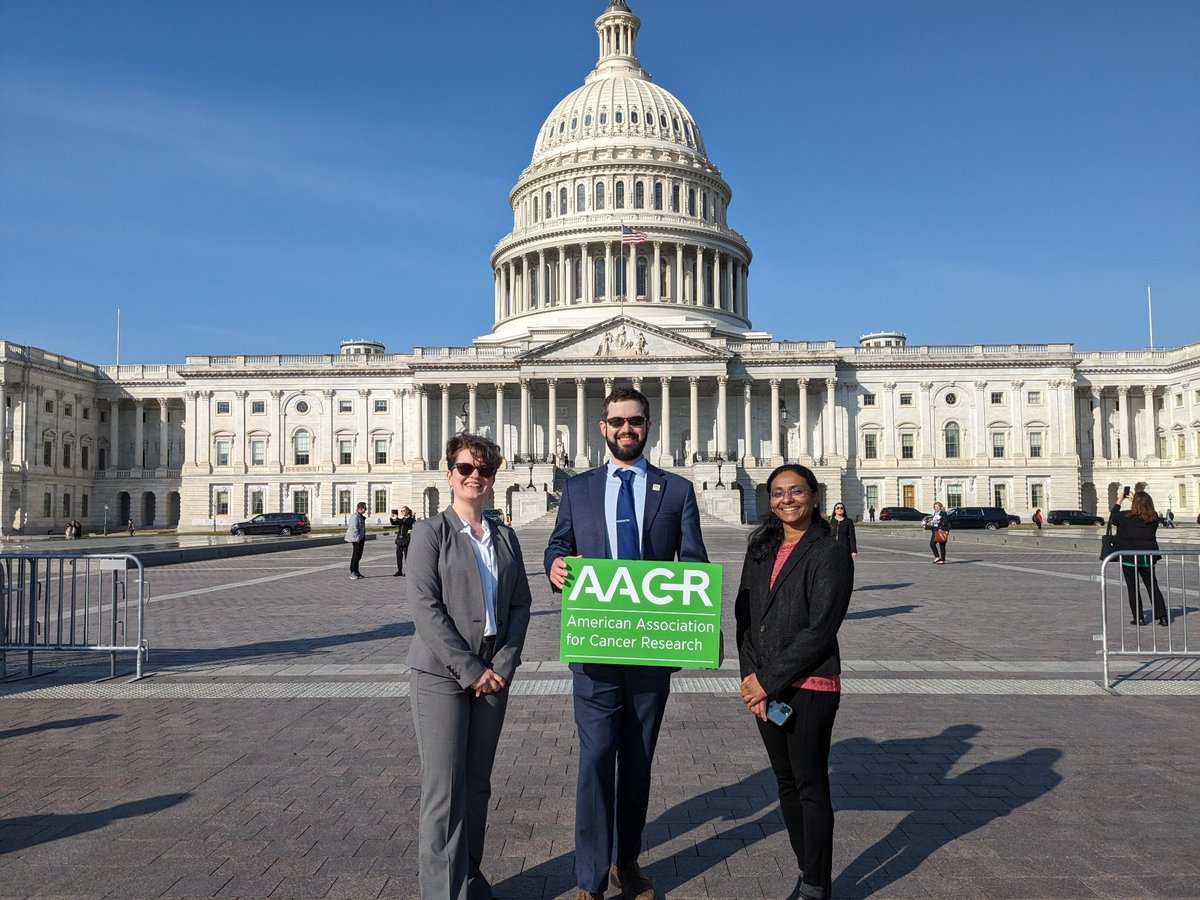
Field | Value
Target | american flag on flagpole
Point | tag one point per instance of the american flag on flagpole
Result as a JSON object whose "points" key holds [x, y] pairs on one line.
{"points": [[632, 235]]}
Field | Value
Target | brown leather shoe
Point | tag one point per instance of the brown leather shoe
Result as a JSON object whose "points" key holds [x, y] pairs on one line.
{"points": [[588, 895], [633, 884]]}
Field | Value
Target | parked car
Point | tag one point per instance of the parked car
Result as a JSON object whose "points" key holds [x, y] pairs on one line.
{"points": [[1014, 520], [900, 514], [1072, 517], [989, 517], [274, 523], [495, 516]]}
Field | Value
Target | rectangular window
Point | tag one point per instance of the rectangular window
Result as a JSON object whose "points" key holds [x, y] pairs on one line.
{"points": [[908, 495], [1160, 402], [222, 407], [1178, 402], [952, 434], [1000, 495], [47, 505], [1180, 447], [222, 453], [906, 446], [256, 502], [998, 444], [343, 502], [868, 399], [345, 406], [68, 409], [47, 453], [221, 503], [258, 452], [1182, 496], [345, 452], [1037, 495], [1196, 395], [301, 455], [83, 457], [381, 406], [1034, 398], [381, 500], [953, 496], [102, 458], [66, 456], [49, 406], [1035, 445], [258, 407], [83, 506], [997, 398], [103, 416], [381, 451], [871, 446], [87, 413], [906, 399], [67, 505], [1161, 444], [300, 502], [872, 496]]}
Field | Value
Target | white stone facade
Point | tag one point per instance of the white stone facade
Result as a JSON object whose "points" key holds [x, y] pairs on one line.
{"points": [[201, 445]]}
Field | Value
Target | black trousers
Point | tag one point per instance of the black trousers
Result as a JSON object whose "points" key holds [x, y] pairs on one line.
{"points": [[799, 754], [401, 552], [939, 550], [355, 556], [1135, 597]]}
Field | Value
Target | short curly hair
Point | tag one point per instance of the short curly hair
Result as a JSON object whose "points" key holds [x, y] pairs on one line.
{"points": [[481, 448]]}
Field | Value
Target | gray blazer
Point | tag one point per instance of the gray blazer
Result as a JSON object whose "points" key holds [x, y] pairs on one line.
{"points": [[445, 599], [356, 528]]}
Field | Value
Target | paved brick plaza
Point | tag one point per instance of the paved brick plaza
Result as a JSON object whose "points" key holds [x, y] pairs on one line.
{"points": [[272, 754]]}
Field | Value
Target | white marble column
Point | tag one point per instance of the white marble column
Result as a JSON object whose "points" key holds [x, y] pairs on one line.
{"points": [[803, 451], [722, 416], [693, 416], [552, 418], [748, 458], [588, 281], [679, 273], [398, 395], [981, 437], [139, 433], [1150, 430], [523, 437], [1097, 427], [776, 454], [717, 300], [277, 438], [472, 397], [666, 457], [581, 460], [422, 417], [698, 285], [1123, 419], [829, 417], [1017, 419], [656, 274], [444, 431], [114, 446], [1069, 411], [610, 277], [500, 419]]}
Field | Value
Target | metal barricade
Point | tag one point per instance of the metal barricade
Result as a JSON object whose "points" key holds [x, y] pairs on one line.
{"points": [[1159, 582], [72, 602]]}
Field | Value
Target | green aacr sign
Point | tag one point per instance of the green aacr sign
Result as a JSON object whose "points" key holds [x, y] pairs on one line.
{"points": [[641, 612]]}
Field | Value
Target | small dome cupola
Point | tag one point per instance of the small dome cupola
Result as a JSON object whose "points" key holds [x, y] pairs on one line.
{"points": [[617, 28]]}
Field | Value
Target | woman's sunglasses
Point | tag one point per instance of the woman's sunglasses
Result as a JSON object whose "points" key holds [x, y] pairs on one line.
{"points": [[618, 421], [468, 469]]}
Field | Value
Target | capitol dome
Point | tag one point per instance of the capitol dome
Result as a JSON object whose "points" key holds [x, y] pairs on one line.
{"points": [[619, 206]]}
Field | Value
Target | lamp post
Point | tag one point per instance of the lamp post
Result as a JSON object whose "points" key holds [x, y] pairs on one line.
{"points": [[530, 473], [783, 418], [106, 520], [720, 462]]}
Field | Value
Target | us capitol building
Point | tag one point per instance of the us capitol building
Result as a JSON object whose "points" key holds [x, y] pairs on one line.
{"points": [[578, 310]]}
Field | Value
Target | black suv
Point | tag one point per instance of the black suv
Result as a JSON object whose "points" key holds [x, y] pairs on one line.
{"points": [[989, 517], [1072, 517], [900, 514], [274, 523]]}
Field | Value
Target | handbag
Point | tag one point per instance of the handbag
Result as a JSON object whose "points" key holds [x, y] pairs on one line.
{"points": [[941, 536], [1108, 543]]}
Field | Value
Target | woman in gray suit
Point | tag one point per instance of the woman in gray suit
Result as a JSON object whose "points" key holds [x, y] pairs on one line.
{"points": [[469, 599], [795, 588]]}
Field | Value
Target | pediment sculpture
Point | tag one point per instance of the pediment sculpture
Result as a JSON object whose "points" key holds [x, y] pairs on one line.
{"points": [[622, 343]]}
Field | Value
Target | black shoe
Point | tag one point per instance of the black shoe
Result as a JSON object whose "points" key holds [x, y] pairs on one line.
{"points": [[397, 574], [1143, 622], [1162, 620]]}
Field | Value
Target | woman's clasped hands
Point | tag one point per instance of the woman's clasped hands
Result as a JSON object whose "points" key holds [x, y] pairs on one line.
{"points": [[754, 696], [487, 683]]}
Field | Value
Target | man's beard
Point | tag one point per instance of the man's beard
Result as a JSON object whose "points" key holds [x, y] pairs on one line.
{"points": [[628, 453]]}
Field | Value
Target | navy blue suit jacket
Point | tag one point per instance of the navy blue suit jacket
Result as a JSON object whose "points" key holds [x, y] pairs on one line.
{"points": [[670, 521]]}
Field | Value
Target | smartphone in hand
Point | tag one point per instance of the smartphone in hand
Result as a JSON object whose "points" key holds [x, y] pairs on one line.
{"points": [[778, 712]]}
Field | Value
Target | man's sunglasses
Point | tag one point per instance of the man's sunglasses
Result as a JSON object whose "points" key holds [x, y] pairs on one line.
{"points": [[618, 421], [466, 470]]}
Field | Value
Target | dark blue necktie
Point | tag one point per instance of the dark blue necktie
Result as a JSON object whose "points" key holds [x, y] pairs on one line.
{"points": [[628, 545]]}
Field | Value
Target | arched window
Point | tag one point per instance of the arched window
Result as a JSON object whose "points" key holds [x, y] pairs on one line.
{"points": [[658, 198], [618, 118], [549, 204], [599, 195], [599, 286], [301, 444], [691, 207], [674, 198], [604, 118], [580, 198], [639, 195], [633, 118], [562, 201], [708, 285], [619, 195], [587, 120], [704, 204], [953, 440], [535, 209], [579, 280], [641, 277]]}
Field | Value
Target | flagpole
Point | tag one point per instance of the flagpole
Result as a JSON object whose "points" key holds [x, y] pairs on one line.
{"points": [[625, 286], [118, 342], [1150, 311]]}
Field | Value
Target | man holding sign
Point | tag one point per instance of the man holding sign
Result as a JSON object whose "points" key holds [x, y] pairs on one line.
{"points": [[626, 509]]}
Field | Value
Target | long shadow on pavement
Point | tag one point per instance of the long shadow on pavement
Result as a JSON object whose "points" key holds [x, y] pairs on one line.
{"points": [[883, 611], [56, 724], [913, 774], [23, 832], [276, 651]]}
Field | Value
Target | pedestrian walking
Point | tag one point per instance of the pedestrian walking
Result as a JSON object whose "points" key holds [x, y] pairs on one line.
{"points": [[1135, 530], [404, 521], [129, 527], [841, 528], [356, 537], [871, 512], [939, 533], [1037, 518], [793, 596]]}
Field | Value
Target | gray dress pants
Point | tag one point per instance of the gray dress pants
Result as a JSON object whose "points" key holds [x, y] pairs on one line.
{"points": [[457, 736]]}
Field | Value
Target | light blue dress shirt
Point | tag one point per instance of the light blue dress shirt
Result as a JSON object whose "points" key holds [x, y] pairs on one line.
{"points": [[489, 573], [612, 487]]}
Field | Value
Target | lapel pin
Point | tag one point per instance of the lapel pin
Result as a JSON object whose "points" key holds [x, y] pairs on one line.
{"points": [[656, 487]]}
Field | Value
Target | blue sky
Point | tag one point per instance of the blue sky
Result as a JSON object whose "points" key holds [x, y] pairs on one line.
{"points": [[267, 176]]}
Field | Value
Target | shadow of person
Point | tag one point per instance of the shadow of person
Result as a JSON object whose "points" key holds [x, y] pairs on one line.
{"points": [[883, 611], [749, 803], [57, 723], [23, 832], [913, 774]]}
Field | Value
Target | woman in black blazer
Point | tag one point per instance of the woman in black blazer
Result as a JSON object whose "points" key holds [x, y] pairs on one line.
{"points": [[939, 521], [1135, 530], [841, 529], [795, 588]]}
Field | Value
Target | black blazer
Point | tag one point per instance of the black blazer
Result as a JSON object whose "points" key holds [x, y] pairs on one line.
{"points": [[939, 524], [790, 632], [843, 532], [1132, 533]]}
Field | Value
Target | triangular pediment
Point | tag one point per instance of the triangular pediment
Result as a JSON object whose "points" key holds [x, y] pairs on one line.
{"points": [[624, 338]]}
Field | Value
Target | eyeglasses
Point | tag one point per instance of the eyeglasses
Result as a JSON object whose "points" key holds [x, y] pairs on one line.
{"points": [[618, 421], [468, 469], [839, 506], [795, 493]]}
